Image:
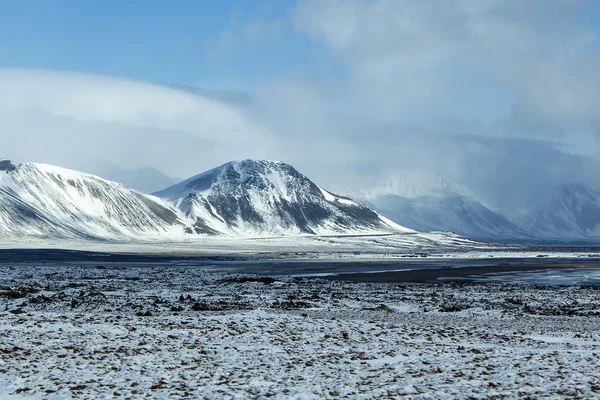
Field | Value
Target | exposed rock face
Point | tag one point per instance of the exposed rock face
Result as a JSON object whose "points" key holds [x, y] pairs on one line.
{"points": [[7, 165]]}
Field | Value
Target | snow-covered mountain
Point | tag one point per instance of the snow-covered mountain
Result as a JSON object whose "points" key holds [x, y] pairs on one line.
{"points": [[429, 202], [38, 200], [572, 215], [257, 197], [248, 198]]}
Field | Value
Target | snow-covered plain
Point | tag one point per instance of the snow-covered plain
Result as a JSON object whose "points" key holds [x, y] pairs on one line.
{"points": [[425, 246], [322, 246], [109, 332]]}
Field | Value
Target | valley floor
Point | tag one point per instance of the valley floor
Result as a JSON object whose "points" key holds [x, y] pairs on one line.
{"points": [[109, 332]]}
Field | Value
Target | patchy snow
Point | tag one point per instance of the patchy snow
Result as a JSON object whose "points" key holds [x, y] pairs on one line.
{"points": [[4, 395], [328, 196], [96, 332]]}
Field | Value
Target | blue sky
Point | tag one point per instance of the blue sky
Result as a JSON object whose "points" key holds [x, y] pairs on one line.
{"points": [[181, 43]]}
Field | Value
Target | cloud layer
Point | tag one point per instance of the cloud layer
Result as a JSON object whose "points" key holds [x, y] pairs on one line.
{"points": [[409, 57], [78, 119]]}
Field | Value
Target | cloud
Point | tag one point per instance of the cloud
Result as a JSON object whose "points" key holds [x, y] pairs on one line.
{"points": [[71, 119], [561, 100], [406, 56]]}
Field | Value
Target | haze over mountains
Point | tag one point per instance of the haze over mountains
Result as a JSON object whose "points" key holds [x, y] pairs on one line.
{"points": [[269, 198], [572, 214], [146, 179], [430, 202]]}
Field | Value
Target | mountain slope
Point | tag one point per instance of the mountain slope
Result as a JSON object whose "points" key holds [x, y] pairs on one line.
{"points": [[269, 198], [572, 215], [38, 200], [429, 202]]}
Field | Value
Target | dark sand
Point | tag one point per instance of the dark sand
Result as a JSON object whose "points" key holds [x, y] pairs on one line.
{"points": [[397, 270], [454, 274]]}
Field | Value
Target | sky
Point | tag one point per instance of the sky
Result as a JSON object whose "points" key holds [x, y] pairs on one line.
{"points": [[500, 96]]}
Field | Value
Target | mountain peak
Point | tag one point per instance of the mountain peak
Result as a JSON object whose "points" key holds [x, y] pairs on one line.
{"points": [[576, 187], [269, 197], [428, 201], [261, 174], [257, 162], [574, 214]]}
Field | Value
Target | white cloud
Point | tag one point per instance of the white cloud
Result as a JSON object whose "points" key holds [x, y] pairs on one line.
{"points": [[71, 118], [410, 57]]}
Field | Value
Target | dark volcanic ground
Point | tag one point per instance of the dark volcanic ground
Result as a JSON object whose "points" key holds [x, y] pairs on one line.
{"points": [[89, 332]]}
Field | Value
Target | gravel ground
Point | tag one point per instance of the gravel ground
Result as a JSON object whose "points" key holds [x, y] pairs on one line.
{"points": [[99, 332]]}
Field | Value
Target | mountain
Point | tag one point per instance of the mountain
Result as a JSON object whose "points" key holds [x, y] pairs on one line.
{"points": [[145, 180], [38, 200], [257, 197], [573, 214], [430, 202]]}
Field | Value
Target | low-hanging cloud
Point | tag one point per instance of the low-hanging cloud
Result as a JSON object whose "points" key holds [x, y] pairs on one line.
{"points": [[74, 119]]}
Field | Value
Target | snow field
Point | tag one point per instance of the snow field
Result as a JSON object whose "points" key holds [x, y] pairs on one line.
{"points": [[97, 332]]}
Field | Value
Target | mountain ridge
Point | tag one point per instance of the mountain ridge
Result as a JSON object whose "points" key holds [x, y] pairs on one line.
{"points": [[573, 214], [251, 196], [45, 200], [271, 198]]}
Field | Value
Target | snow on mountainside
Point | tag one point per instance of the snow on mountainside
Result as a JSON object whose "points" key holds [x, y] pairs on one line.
{"points": [[429, 202], [257, 197], [572, 215], [38, 200]]}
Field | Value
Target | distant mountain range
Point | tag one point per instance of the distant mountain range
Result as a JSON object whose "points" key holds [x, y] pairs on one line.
{"points": [[573, 214], [430, 202], [255, 198]]}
